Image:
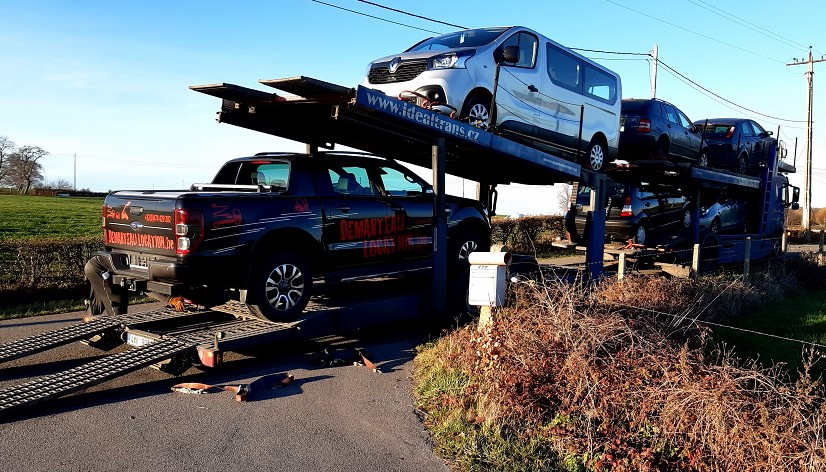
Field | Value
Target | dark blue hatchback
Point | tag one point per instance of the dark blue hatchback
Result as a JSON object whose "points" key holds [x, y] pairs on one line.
{"points": [[655, 129], [738, 144]]}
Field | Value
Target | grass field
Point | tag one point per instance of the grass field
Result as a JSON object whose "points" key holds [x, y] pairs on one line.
{"points": [[27, 217], [801, 317]]}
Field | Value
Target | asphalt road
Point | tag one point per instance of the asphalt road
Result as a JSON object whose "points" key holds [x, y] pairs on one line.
{"points": [[345, 418]]}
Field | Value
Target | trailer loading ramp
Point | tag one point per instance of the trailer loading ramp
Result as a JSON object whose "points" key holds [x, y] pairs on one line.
{"points": [[170, 339], [324, 114]]}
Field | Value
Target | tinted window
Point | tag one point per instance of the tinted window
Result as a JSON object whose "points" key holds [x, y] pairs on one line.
{"points": [[460, 39], [564, 68], [526, 43], [253, 173], [351, 180], [745, 129], [599, 85], [684, 121], [671, 114], [715, 130], [632, 106], [400, 184], [758, 130]]}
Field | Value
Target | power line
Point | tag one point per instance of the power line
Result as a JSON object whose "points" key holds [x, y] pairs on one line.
{"points": [[374, 17], [746, 24], [692, 31], [412, 14], [723, 98]]}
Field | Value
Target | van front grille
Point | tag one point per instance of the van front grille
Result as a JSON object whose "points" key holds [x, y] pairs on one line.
{"points": [[406, 71]]}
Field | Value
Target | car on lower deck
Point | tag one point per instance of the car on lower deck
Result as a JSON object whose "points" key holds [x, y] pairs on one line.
{"points": [[723, 214], [646, 213]]}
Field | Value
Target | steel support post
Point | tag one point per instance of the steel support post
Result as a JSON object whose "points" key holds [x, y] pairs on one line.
{"points": [[439, 229], [595, 227]]}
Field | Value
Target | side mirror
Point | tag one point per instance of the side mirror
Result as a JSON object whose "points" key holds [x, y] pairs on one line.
{"points": [[506, 54], [795, 194], [795, 206], [769, 133]]}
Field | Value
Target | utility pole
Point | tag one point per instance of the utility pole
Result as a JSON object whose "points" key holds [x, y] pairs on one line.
{"points": [[654, 54], [75, 183], [807, 176]]}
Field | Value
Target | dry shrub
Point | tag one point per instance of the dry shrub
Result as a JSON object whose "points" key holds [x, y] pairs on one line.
{"points": [[529, 234], [608, 391]]}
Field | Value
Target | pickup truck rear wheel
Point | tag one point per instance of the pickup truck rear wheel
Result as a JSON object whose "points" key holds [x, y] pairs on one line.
{"points": [[281, 286]]}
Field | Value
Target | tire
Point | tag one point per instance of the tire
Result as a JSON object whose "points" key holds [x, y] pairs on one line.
{"points": [[597, 153], [742, 164], [715, 226], [640, 234], [281, 286], [702, 160], [476, 110], [465, 242], [688, 216], [663, 149]]}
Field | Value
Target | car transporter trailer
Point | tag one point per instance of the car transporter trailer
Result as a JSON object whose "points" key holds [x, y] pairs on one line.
{"points": [[321, 115]]}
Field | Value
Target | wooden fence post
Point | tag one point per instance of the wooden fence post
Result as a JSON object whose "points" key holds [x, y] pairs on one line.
{"points": [[695, 261], [621, 269]]}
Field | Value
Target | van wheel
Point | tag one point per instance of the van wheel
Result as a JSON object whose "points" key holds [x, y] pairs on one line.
{"points": [[597, 152], [280, 287], [477, 110]]}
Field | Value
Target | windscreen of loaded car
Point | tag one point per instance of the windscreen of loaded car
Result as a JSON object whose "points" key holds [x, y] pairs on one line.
{"points": [[460, 39]]}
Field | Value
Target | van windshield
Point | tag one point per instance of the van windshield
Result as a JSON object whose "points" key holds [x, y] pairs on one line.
{"points": [[460, 39]]}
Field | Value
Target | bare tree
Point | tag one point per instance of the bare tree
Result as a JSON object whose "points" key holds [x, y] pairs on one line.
{"points": [[563, 198], [24, 169], [7, 147]]}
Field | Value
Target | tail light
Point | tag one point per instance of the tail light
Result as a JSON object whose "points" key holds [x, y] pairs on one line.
{"points": [[626, 207], [103, 224], [730, 132], [644, 126], [189, 230]]}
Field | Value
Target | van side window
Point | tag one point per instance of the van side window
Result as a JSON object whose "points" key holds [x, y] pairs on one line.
{"points": [[599, 85], [526, 43], [564, 68]]}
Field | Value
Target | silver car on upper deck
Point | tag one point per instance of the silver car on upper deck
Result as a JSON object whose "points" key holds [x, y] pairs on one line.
{"points": [[547, 94]]}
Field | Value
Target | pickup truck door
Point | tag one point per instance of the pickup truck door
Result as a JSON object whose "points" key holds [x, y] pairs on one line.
{"points": [[359, 227], [410, 201]]}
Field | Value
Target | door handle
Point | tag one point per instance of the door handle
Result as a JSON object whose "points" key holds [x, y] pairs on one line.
{"points": [[532, 88], [343, 208]]}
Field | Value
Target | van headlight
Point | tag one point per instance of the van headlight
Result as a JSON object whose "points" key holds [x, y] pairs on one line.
{"points": [[451, 60]]}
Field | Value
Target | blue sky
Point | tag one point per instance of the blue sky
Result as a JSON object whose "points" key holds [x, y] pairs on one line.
{"points": [[108, 81]]}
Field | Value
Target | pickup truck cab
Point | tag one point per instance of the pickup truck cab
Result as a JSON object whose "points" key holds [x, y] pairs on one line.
{"points": [[268, 225]]}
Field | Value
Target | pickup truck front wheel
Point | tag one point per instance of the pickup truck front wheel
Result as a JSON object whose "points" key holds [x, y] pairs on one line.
{"points": [[281, 286]]}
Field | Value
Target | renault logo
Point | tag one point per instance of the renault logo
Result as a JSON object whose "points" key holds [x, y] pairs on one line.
{"points": [[136, 225], [394, 64]]}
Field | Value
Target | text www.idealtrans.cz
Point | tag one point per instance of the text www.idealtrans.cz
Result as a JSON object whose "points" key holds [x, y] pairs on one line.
{"points": [[416, 114]]}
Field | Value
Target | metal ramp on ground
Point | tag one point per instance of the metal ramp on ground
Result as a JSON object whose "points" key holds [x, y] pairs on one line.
{"points": [[165, 334], [81, 331]]}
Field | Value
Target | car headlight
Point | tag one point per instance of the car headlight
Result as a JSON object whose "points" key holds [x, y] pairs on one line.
{"points": [[450, 60]]}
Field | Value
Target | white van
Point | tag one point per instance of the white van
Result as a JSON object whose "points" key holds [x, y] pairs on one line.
{"points": [[547, 95]]}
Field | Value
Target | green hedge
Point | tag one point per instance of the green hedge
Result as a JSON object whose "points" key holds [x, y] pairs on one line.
{"points": [[528, 235], [48, 269], [44, 269]]}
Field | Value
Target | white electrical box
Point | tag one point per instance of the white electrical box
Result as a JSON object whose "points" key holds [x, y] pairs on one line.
{"points": [[488, 272]]}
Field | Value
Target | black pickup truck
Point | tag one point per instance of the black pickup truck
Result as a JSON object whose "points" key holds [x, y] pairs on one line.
{"points": [[268, 225]]}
